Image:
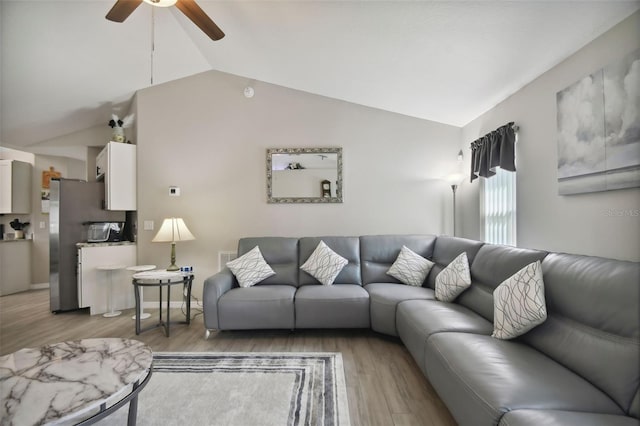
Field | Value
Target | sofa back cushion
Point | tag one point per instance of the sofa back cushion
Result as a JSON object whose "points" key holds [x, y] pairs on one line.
{"points": [[490, 267], [280, 253], [378, 252], [347, 247], [593, 325], [446, 249]]}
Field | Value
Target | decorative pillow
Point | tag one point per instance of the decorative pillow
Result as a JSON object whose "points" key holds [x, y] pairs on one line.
{"points": [[410, 268], [250, 268], [324, 264], [518, 303], [454, 279]]}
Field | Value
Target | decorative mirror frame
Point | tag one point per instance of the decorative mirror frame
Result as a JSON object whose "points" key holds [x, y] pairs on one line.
{"points": [[296, 200]]}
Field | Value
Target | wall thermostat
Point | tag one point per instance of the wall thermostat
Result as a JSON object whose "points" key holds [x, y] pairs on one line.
{"points": [[174, 191]]}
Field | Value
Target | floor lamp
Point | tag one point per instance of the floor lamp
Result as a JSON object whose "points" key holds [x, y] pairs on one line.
{"points": [[454, 188], [454, 180]]}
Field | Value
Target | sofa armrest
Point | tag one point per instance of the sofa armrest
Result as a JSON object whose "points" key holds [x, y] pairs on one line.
{"points": [[214, 287]]}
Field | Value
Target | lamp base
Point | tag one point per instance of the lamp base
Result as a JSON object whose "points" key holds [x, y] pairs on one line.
{"points": [[173, 266]]}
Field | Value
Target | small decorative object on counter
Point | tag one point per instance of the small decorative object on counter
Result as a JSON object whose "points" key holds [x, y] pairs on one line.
{"points": [[118, 126], [19, 228]]}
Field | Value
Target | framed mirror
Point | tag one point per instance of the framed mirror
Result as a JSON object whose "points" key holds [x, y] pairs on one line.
{"points": [[304, 175]]}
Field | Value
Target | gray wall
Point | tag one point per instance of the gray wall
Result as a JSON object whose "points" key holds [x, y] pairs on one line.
{"points": [[603, 224], [201, 134]]}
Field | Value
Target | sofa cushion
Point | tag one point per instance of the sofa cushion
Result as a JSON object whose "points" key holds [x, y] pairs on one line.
{"points": [[324, 264], [263, 306], [347, 247], [480, 378], [454, 279], [491, 266], [336, 306], [592, 307], [448, 248], [280, 253], [378, 252], [410, 268], [518, 303], [417, 320], [563, 418], [383, 301], [250, 268]]}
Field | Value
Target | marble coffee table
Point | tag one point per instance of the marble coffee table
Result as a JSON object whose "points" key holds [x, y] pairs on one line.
{"points": [[73, 382]]}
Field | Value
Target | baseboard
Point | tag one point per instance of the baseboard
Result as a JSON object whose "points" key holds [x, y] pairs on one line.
{"points": [[38, 286]]}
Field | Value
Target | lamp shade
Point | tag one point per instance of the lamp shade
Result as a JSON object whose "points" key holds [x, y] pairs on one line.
{"points": [[173, 229], [455, 178]]}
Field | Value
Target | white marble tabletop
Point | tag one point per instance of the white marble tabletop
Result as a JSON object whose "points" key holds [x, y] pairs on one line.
{"points": [[160, 274], [60, 382]]}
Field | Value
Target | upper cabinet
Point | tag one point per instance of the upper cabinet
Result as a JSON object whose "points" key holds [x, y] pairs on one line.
{"points": [[116, 164], [15, 187]]}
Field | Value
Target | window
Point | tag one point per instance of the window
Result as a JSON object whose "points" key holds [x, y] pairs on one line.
{"points": [[498, 208]]}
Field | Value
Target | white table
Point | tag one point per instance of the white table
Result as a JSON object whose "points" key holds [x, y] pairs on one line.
{"points": [[141, 268], [109, 270]]}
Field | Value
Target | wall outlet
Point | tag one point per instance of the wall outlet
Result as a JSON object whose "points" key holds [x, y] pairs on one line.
{"points": [[148, 225], [42, 224], [174, 191]]}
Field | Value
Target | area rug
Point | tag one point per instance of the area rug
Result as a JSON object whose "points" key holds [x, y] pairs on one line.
{"points": [[242, 389]]}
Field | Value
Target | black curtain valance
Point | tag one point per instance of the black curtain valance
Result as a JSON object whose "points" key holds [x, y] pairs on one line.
{"points": [[495, 149]]}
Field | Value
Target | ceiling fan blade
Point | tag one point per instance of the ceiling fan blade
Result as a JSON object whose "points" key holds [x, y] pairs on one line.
{"points": [[191, 9], [122, 9]]}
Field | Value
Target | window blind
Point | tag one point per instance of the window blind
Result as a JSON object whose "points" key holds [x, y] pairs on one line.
{"points": [[499, 208]]}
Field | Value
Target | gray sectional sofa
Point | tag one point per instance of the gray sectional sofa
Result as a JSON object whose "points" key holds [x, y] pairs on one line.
{"points": [[580, 367]]}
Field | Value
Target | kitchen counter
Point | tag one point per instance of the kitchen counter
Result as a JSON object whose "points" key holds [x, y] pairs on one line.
{"points": [[15, 266], [94, 285], [119, 243], [14, 240]]}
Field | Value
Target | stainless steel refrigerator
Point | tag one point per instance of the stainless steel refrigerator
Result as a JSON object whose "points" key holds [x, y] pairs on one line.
{"points": [[72, 204]]}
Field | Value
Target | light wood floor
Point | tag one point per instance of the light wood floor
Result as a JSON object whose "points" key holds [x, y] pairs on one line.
{"points": [[384, 385]]}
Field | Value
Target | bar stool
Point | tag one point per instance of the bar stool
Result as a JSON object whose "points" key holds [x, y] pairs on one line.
{"points": [[109, 270], [136, 269]]}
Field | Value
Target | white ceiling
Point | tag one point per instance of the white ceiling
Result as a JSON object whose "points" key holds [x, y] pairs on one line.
{"points": [[65, 68]]}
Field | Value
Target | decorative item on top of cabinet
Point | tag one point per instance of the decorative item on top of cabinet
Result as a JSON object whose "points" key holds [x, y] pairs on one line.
{"points": [[116, 164], [15, 187], [326, 188]]}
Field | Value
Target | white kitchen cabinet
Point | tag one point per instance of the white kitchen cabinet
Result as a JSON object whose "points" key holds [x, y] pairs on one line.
{"points": [[15, 266], [116, 163], [93, 284], [15, 187]]}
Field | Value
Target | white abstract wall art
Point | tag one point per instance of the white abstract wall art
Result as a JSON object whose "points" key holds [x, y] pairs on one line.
{"points": [[599, 130]]}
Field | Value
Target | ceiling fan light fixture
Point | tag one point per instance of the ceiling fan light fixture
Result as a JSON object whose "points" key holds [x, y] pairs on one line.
{"points": [[161, 3]]}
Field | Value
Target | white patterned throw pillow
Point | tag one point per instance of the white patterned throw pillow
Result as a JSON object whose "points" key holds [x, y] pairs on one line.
{"points": [[324, 264], [250, 268], [519, 303], [410, 268], [454, 279]]}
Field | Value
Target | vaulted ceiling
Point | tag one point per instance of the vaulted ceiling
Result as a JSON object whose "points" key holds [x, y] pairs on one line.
{"points": [[65, 68]]}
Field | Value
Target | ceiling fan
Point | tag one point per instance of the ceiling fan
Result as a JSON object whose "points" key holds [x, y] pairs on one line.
{"points": [[123, 8]]}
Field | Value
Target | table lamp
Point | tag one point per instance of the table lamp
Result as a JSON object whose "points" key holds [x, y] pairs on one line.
{"points": [[173, 229]]}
